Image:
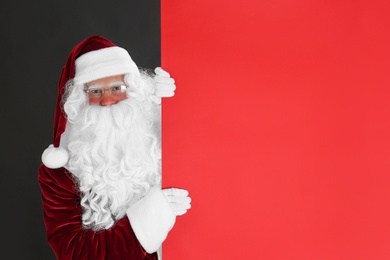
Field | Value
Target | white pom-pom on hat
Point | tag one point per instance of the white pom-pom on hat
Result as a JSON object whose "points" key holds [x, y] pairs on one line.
{"points": [[55, 157]]}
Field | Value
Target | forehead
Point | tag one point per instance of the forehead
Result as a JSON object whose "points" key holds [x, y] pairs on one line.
{"points": [[106, 80]]}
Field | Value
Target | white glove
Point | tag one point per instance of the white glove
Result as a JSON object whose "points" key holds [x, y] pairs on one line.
{"points": [[151, 218], [178, 200], [164, 86]]}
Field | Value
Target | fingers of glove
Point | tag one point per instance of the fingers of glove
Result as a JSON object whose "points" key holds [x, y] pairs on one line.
{"points": [[164, 93], [179, 200], [161, 72], [180, 212], [163, 86], [177, 196], [163, 79], [179, 206], [155, 99], [180, 209], [175, 192], [179, 203]]}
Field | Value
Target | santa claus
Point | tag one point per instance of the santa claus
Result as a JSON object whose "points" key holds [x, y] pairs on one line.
{"points": [[100, 180]]}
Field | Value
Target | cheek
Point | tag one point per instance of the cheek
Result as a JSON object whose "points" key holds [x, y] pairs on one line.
{"points": [[96, 101], [121, 97]]}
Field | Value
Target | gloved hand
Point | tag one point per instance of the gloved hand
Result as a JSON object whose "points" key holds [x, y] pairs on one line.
{"points": [[164, 86], [178, 200], [151, 218]]}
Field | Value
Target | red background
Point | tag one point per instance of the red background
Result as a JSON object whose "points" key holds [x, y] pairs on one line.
{"points": [[279, 128]]}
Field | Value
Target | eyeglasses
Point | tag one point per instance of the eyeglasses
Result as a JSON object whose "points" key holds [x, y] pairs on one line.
{"points": [[98, 92]]}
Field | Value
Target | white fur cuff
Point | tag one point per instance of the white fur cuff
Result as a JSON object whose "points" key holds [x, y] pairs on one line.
{"points": [[151, 219]]}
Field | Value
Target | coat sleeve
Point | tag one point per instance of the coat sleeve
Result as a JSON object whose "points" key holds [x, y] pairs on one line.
{"points": [[65, 233]]}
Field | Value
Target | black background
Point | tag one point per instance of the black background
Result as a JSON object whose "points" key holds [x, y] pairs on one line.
{"points": [[36, 38]]}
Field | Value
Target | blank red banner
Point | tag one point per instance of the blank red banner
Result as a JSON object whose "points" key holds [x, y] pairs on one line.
{"points": [[280, 128]]}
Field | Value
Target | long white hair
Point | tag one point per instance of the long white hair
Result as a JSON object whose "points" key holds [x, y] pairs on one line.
{"points": [[114, 150]]}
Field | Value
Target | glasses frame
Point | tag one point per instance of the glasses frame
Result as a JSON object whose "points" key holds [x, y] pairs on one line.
{"points": [[87, 90]]}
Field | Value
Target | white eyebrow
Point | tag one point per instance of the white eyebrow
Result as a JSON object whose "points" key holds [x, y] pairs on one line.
{"points": [[116, 83], [112, 84], [92, 86]]}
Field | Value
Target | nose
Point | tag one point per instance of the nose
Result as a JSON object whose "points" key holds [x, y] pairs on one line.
{"points": [[107, 99]]}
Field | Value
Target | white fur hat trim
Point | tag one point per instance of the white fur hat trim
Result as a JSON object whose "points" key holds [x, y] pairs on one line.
{"points": [[103, 63]]}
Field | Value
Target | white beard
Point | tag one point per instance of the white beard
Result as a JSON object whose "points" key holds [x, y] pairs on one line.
{"points": [[114, 153]]}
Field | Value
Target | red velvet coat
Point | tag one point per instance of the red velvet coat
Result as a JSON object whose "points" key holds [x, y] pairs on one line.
{"points": [[65, 233]]}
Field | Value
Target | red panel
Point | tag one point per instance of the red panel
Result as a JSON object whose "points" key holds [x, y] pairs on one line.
{"points": [[279, 128]]}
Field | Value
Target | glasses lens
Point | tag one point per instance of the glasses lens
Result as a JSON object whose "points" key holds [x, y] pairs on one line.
{"points": [[95, 92], [118, 89]]}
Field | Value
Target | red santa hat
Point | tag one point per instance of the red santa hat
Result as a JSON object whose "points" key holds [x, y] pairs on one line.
{"points": [[94, 58]]}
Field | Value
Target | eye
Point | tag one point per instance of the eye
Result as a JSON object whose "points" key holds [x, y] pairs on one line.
{"points": [[118, 89], [95, 91]]}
